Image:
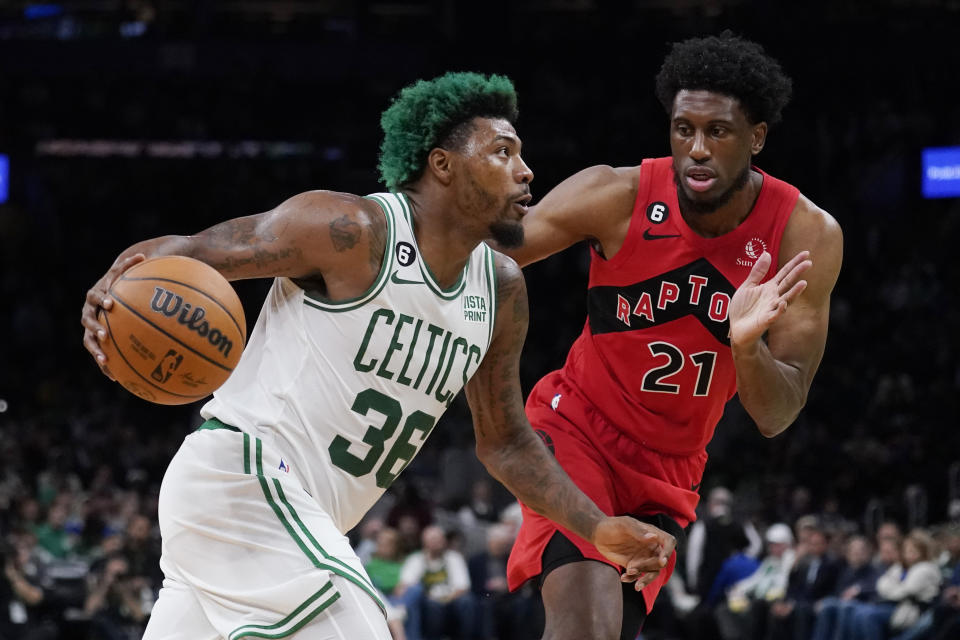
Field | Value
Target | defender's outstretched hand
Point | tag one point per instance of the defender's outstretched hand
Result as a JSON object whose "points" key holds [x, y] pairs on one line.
{"points": [[640, 547], [755, 306], [97, 298]]}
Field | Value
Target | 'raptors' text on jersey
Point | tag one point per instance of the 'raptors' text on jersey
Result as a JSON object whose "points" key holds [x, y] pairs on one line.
{"points": [[654, 357]]}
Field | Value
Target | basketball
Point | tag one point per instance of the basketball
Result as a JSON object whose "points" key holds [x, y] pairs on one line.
{"points": [[176, 330]]}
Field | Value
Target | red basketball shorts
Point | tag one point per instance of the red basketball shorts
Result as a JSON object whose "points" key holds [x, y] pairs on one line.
{"points": [[619, 474]]}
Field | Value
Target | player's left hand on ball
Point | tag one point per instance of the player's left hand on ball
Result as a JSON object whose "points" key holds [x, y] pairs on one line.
{"points": [[640, 547], [98, 298]]}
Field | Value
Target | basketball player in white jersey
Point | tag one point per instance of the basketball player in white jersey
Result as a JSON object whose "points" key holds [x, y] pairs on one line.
{"points": [[382, 308]]}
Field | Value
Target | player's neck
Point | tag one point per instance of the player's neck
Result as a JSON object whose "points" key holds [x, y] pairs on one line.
{"points": [[729, 216], [444, 241]]}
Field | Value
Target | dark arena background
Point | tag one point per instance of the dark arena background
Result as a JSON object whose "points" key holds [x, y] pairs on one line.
{"points": [[122, 120]]}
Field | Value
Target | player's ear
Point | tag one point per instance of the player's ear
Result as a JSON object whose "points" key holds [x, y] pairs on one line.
{"points": [[759, 137], [439, 163]]}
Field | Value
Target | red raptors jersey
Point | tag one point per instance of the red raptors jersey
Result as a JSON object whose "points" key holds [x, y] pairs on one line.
{"points": [[654, 356]]}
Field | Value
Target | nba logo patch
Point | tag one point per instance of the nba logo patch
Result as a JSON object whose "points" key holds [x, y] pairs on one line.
{"points": [[555, 402], [284, 466]]}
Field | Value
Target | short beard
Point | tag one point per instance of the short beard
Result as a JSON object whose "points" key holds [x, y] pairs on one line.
{"points": [[702, 208], [507, 233]]}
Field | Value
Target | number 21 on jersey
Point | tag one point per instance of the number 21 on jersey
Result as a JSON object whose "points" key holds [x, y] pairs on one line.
{"points": [[655, 380]]}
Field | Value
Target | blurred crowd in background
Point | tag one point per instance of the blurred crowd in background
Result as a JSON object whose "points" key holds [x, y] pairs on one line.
{"points": [[127, 120], [81, 562]]}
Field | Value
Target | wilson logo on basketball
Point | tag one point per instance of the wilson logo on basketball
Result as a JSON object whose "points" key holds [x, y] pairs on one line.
{"points": [[170, 304]]}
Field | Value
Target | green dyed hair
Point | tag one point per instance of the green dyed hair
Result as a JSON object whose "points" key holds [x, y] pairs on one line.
{"points": [[431, 113]]}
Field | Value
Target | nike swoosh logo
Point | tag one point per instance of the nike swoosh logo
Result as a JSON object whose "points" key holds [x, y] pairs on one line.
{"points": [[394, 278], [655, 236]]}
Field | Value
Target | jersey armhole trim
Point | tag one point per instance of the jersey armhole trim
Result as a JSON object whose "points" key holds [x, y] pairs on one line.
{"points": [[630, 239], [789, 206], [491, 277], [378, 284]]}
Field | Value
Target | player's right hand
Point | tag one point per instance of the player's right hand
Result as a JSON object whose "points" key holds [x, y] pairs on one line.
{"points": [[98, 298], [641, 548]]}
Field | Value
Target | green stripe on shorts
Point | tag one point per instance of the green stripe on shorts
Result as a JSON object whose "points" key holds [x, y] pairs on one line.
{"points": [[327, 562], [299, 617], [213, 423]]}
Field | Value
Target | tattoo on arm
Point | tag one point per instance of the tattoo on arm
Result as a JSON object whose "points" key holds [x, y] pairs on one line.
{"points": [[505, 360], [238, 232], [516, 456], [542, 484], [260, 257], [344, 233]]}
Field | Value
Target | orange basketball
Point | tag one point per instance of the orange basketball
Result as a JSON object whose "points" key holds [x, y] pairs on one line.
{"points": [[176, 330]]}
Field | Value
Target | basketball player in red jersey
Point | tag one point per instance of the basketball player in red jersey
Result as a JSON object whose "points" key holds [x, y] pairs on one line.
{"points": [[708, 277]]}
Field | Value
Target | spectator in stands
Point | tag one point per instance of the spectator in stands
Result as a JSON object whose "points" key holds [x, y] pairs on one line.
{"points": [[385, 562], [904, 590], [673, 616], [23, 592], [804, 527], [712, 539], [370, 528], [28, 515], [744, 614], [142, 551], [857, 583], [797, 506], [946, 615], [501, 614], [118, 600], [738, 566], [889, 531], [942, 621], [410, 531], [52, 535], [409, 503], [435, 589], [838, 527], [888, 553], [94, 528], [480, 509], [512, 516], [950, 544], [812, 578]]}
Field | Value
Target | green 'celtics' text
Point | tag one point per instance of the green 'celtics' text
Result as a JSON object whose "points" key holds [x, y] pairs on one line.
{"points": [[437, 352]]}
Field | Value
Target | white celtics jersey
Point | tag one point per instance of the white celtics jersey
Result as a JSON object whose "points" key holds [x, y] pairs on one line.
{"points": [[348, 392]]}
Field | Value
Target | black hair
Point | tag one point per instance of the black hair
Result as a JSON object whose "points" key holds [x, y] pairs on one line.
{"points": [[729, 65]]}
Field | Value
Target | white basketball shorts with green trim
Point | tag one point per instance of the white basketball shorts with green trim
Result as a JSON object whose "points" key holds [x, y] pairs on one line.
{"points": [[240, 535]]}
